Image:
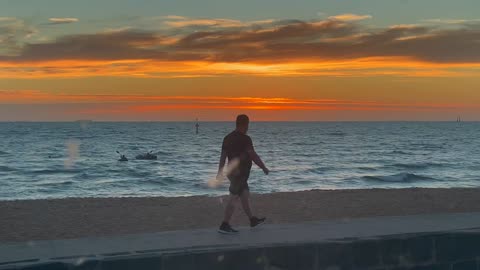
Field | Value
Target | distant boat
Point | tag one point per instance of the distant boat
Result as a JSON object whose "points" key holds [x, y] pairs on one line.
{"points": [[459, 119]]}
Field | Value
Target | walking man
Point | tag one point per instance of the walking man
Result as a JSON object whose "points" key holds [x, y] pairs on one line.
{"points": [[238, 148]]}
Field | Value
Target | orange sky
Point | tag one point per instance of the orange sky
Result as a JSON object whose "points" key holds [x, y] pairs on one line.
{"points": [[334, 69]]}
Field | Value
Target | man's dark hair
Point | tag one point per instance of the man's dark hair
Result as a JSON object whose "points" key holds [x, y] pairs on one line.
{"points": [[242, 120]]}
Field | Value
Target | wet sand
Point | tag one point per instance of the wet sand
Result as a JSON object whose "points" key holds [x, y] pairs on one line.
{"points": [[91, 217]]}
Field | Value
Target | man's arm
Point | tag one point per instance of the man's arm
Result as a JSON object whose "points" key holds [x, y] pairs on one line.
{"points": [[221, 164], [257, 160]]}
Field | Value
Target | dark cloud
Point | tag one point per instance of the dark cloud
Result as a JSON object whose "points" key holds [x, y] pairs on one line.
{"points": [[276, 41], [102, 46], [295, 33], [462, 45]]}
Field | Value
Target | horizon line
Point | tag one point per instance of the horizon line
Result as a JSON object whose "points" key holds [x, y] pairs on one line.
{"points": [[228, 121]]}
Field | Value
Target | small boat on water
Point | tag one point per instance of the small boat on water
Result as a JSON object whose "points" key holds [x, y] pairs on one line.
{"points": [[122, 157], [146, 156]]}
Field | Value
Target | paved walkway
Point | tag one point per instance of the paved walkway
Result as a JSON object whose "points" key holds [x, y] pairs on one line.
{"points": [[209, 239]]}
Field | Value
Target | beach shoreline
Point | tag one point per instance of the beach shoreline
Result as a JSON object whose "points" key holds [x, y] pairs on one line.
{"points": [[47, 219]]}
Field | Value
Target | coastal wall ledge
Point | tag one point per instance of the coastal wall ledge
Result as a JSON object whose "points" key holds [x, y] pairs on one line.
{"points": [[453, 250]]}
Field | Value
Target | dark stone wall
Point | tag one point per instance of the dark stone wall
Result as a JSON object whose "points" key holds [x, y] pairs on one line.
{"points": [[426, 251]]}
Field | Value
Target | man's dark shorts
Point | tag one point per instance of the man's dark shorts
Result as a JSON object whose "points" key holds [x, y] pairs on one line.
{"points": [[238, 184]]}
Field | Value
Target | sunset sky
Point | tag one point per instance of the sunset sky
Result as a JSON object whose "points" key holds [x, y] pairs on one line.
{"points": [[310, 60]]}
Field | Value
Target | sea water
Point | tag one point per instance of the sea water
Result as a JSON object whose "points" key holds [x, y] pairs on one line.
{"points": [[79, 159]]}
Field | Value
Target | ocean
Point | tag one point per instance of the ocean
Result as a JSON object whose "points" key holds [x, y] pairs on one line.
{"points": [[79, 159]]}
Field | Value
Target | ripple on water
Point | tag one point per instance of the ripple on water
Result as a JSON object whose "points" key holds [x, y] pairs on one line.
{"points": [[420, 165], [401, 177], [57, 184], [7, 169], [54, 171]]}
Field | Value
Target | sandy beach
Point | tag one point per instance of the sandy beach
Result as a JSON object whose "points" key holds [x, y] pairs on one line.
{"points": [[90, 217]]}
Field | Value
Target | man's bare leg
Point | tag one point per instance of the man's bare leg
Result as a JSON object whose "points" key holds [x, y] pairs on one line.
{"points": [[230, 208], [245, 199]]}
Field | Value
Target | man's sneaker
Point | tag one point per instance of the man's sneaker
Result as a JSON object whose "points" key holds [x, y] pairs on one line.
{"points": [[254, 221], [225, 228]]}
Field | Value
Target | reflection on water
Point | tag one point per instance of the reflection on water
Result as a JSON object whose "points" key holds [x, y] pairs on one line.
{"points": [[72, 150]]}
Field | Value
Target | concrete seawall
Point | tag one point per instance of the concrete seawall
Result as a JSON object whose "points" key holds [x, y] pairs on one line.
{"points": [[449, 241]]}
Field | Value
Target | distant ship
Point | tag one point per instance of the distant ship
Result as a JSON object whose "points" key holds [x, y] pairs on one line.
{"points": [[459, 119]]}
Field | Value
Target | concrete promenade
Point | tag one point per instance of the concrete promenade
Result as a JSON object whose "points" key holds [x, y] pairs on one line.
{"points": [[209, 240]]}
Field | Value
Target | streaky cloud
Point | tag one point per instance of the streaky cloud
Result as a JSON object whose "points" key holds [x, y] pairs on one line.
{"points": [[174, 21], [205, 22], [451, 21], [174, 17], [7, 19], [147, 103], [63, 20], [350, 17]]}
